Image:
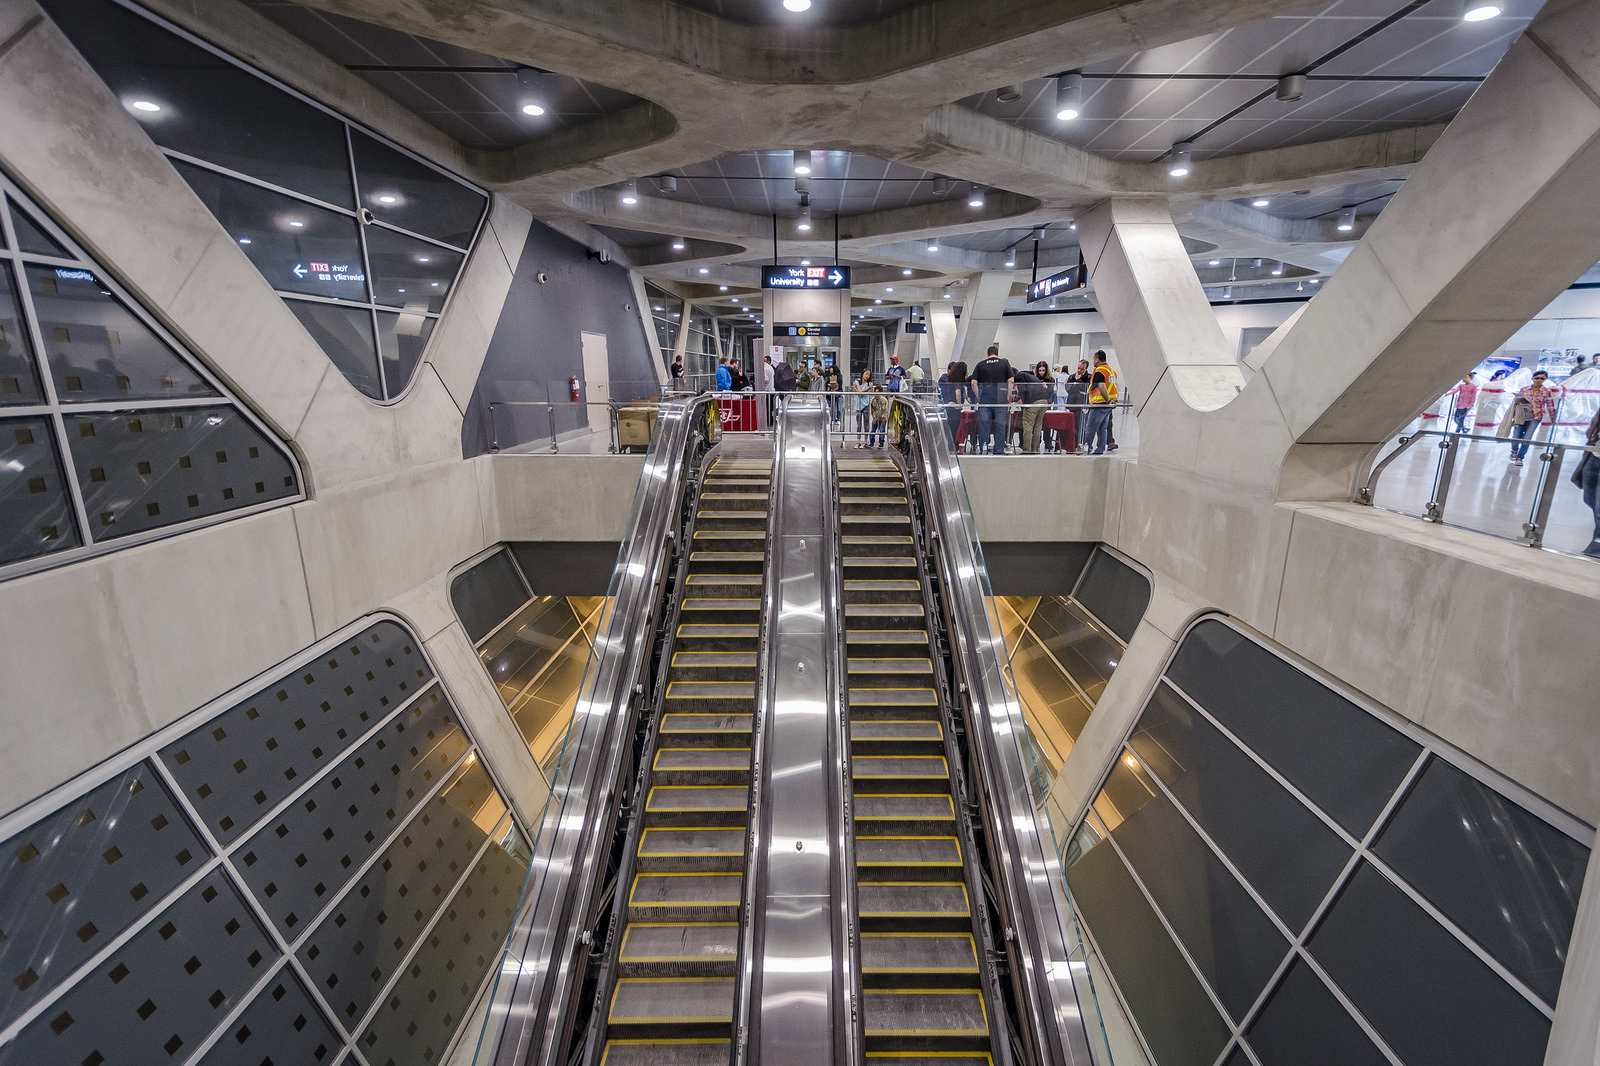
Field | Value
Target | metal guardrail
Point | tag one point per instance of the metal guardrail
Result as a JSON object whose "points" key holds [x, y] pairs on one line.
{"points": [[1551, 459]]}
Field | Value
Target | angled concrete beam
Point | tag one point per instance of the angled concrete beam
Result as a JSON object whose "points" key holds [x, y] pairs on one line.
{"points": [[1160, 320], [980, 318]]}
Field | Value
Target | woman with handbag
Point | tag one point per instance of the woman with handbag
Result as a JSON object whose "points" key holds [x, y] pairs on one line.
{"points": [[1587, 478]]}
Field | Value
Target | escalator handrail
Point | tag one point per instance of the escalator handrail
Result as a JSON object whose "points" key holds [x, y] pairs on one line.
{"points": [[541, 972], [1028, 870]]}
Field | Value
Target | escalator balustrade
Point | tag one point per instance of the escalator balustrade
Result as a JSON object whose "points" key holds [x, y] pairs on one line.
{"points": [[672, 1003]]}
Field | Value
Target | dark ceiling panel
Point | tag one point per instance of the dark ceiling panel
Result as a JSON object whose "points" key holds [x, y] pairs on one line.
{"points": [[470, 96], [849, 183], [822, 12]]}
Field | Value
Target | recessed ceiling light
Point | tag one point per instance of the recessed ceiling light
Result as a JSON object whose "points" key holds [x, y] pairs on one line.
{"points": [[1072, 225], [148, 106], [1347, 220], [933, 244], [1279, 271], [1180, 163], [1479, 10], [722, 288], [529, 99], [877, 301], [1069, 97], [976, 199], [387, 199], [677, 244], [244, 240], [705, 270], [1215, 262], [532, 109], [906, 272], [802, 159], [888, 288], [1261, 203], [805, 262], [422, 259], [1316, 281], [296, 223], [797, 5], [947, 296], [804, 225], [435, 284]]}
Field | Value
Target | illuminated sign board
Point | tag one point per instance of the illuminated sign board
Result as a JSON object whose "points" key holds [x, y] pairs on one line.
{"points": [[806, 331], [805, 277], [1055, 284], [916, 327]]}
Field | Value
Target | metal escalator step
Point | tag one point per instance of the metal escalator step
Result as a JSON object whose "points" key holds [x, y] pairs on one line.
{"points": [[884, 610], [754, 515], [669, 1052], [875, 519], [907, 953], [698, 798], [872, 500], [752, 497], [854, 482], [733, 557], [928, 1058], [711, 629], [886, 636], [912, 899], [908, 767], [701, 759], [728, 579], [879, 560], [890, 666], [679, 945], [751, 603], [885, 697], [685, 890], [896, 729], [693, 843], [902, 812], [892, 584], [704, 723], [694, 659], [862, 540], [711, 690], [908, 851], [729, 534], [671, 1001], [924, 1012]]}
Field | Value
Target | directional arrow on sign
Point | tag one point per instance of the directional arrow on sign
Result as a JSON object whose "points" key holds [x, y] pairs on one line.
{"points": [[299, 271], [836, 277]]}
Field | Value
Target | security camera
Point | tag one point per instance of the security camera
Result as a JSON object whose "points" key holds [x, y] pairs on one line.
{"points": [[542, 277], [602, 255]]}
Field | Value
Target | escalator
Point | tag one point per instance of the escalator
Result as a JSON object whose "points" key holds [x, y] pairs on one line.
{"points": [[923, 989], [673, 998]]}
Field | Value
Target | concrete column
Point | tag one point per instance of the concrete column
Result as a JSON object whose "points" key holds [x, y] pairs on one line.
{"points": [[941, 336], [980, 318], [681, 347], [1160, 320], [641, 300]]}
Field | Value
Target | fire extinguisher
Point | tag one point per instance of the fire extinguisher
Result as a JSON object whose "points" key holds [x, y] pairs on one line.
{"points": [[572, 383]]}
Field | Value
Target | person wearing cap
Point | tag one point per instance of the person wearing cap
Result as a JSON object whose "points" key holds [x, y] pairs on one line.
{"points": [[894, 380], [1534, 408]]}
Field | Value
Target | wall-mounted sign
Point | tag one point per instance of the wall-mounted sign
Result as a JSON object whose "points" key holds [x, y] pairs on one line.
{"points": [[805, 277], [806, 331], [1055, 284], [916, 327]]}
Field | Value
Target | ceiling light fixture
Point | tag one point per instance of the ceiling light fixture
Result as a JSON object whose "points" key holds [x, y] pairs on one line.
{"points": [[1347, 220], [1260, 203], [1215, 262], [1011, 257], [941, 186], [705, 270], [1008, 94], [722, 288], [1278, 271], [296, 223], [977, 198], [888, 288], [422, 259], [877, 301], [1181, 160], [797, 5], [805, 220], [1072, 225], [1291, 87], [1479, 10], [149, 107], [1069, 97], [805, 262], [669, 184], [933, 244], [630, 193], [906, 272], [947, 296], [387, 199], [528, 95], [677, 244], [1227, 292], [802, 161]]}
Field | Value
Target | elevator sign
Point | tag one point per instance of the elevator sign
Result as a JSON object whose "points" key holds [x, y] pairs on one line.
{"points": [[805, 277], [1066, 281]]}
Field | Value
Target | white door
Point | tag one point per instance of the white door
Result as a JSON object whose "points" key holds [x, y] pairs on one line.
{"points": [[596, 369]]}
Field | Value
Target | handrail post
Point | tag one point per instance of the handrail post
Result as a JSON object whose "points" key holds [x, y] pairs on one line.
{"points": [[1441, 489], [1553, 458], [555, 449]]}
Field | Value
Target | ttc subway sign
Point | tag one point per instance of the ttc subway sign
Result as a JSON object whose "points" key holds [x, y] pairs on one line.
{"points": [[805, 277]]}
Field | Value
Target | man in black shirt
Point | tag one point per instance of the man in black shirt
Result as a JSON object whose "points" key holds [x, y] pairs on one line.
{"points": [[995, 380]]}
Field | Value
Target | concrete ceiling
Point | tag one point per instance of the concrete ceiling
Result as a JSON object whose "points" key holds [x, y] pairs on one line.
{"points": [[890, 94]]}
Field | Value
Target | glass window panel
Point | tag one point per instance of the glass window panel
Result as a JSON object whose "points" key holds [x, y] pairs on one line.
{"points": [[1231, 940], [488, 594], [209, 108], [98, 349], [35, 512], [1341, 756], [32, 237], [19, 375], [297, 247], [1510, 880], [1085, 652], [1286, 853], [1238, 1058], [525, 646], [345, 334], [145, 469], [1044, 688], [1115, 592], [403, 192], [1303, 1024], [409, 273], [1432, 1000], [1172, 1010], [401, 340]]}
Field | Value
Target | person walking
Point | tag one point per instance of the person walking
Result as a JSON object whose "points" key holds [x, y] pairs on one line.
{"points": [[955, 392], [863, 391], [995, 382], [1033, 392], [833, 385], [1534, 408], [1466, 402], [1588, 478], [1103, 372], [880, 418]]}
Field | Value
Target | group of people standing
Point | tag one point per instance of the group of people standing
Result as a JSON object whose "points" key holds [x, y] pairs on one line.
{"points": [[994, 385]]}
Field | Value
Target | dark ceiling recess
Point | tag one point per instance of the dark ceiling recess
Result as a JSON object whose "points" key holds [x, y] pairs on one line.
{"points": [[474, 98]]}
